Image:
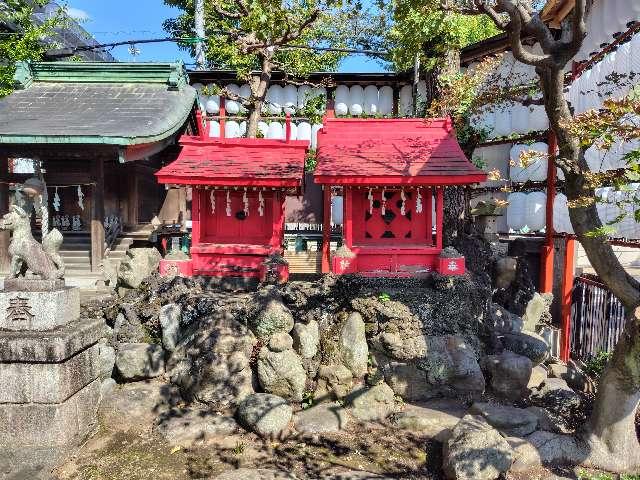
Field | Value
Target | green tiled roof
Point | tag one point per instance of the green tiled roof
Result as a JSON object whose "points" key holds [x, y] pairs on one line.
{"points": [[96, 103]]}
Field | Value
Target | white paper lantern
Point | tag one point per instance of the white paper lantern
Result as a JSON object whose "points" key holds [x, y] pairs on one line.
{"points": [[314, 135], [561, 220], [341, 104], [356, 100], [503, 121], [231, 129], [538, 119], [371, 100], [405, 106], [275, 131], [337, 210], [304, 131], [263, 128], [212, 105], [386, 100], [290, 94], [245, 93], [536, 211], [243, 129], [304, 93], [214, 129], [519, 119], [274, 100], [293, 133], [516, 219], [516, 170], [536, 170], [232, 106]]}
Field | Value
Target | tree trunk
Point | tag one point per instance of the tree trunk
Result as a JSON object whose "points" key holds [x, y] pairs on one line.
{"points": [[610, 433], [259, 87]]}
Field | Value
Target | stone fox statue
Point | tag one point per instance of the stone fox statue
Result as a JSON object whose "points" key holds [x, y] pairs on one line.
{"points": [[26, 253]]}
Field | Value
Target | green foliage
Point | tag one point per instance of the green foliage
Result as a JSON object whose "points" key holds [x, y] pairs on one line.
{"points": [[595, 366], [584, 475], [26, 44], [310, 161], [384, 297], [307, 400], [231, 39], [422, 27], [239, 448]]}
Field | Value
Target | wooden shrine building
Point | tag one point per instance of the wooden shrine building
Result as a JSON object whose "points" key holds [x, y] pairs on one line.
{"points": [[237, 209], [391, 174], [95, 133]]}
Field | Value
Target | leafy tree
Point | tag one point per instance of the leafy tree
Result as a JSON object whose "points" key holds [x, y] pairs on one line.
{"points": [[23, 44], [262, 35], [609, 439]]}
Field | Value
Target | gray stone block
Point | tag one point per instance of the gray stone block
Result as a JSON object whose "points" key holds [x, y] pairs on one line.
{"points": [[32, 284], [44, 310], [48, 382], [52, 345], [47, 425]]}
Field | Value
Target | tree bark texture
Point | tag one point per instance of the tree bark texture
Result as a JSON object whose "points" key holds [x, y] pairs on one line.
{"points": [[259, 87]]}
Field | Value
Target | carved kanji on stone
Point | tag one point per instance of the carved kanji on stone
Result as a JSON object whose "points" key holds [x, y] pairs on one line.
{"points": [[19, 310]]}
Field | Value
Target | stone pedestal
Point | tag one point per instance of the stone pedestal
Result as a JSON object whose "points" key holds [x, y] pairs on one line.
{"points": [[49, 373]]}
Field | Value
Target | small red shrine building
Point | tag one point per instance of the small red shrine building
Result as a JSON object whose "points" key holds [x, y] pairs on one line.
{"points": [[237, 210], [390, 173]]}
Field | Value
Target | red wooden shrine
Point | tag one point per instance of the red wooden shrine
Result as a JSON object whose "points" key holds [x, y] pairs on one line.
{"points": [[237, 210], [391, 174]]}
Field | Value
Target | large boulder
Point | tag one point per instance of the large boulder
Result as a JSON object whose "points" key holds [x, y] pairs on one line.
{"points": [[212, 365], [270, 315], [511, 421], [372, 404], [557, 396], [137, 265], [282, 373], [510, 374], [353, 345], [537, 311], [433, 419], [139, 361], [334, 382], [502, 320], [527, 344], [538, 375], [264, 414], [476, 451], [306, 338], [324, 417], [106, 359]]}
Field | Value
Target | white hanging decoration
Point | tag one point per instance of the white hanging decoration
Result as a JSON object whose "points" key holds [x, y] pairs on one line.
{"points": [[228, 205], [56, 201], [245, 201], [212, 199], [403, 210], [80, 198], [75, 223], [384, 204], [418, 201], [260, 204], [370, 197]]}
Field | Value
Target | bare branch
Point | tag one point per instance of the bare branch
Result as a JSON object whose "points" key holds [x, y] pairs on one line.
{"points": [[491, 12], [299, 30], [225, 13]]}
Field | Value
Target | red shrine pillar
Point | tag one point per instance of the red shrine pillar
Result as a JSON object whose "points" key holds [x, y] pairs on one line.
{"points": [[439, 216], [326, 228]]}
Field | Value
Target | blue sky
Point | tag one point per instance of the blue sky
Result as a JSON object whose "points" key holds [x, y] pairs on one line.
{"points": [[114, 20]]}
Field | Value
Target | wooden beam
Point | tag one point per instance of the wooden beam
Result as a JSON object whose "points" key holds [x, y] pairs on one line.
{"points": [[5, 236], [97, 214]]}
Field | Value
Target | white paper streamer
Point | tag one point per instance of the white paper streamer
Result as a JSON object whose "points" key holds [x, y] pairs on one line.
{"points": [[56, 201], [260, 204], [403, 210], [245, 201], [418, 201], [228, 205], [80, 198], [212, 199], [384, 204], [370, 197]]}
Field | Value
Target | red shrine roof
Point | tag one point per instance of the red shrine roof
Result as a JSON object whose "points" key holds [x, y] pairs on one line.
{"points": [[392, 152], [242, 162]]}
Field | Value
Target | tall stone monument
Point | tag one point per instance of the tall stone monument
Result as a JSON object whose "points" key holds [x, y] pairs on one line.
{"points": [[49, 356]]}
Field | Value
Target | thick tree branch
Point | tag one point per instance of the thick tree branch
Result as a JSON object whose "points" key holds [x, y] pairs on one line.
{"points": [[289, 36]]}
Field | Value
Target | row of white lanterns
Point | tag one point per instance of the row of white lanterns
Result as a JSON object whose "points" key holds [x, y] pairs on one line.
{"points": [[355, 100], [271, 130], [612, 77], [607, 19], [509, 118]]}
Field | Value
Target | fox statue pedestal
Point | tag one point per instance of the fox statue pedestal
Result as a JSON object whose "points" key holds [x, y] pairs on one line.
{"points": [[49, 375]]}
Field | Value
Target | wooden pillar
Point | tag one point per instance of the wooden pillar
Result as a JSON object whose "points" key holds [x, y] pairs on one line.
{"points": [[347, 215], [546, 259], [97, 214], [196, 195], [5, 236], [278, 221], [326, 228], [439, 216], [567, 287]]}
